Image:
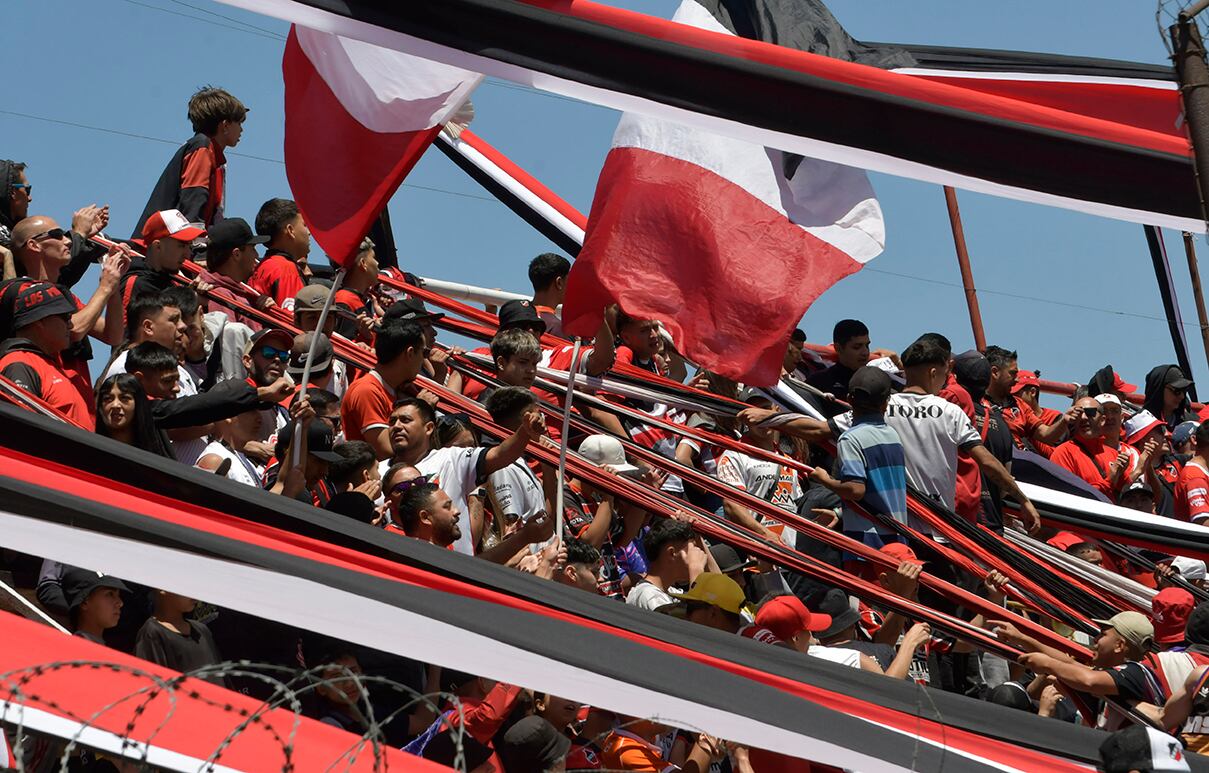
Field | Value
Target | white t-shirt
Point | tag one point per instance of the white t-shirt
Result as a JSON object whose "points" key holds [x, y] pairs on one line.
{"points": [[516, 491], [243, 470], [456, 472], [646, 595], [772, 482], [932, 430], [845, 657]]}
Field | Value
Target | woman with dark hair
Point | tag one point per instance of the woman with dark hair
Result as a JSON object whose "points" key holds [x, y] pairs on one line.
{"points": [[124, 414]]}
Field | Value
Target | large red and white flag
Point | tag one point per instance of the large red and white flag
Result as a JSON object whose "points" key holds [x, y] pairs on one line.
{"points": [[357, 119], [724, 241]]}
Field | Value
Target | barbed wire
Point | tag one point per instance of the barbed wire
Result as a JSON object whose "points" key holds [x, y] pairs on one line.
{"points": [[31, 748], [1166, 13]]}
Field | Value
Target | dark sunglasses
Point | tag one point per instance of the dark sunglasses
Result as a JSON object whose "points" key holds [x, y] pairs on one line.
{"points": [[1090, 413], [54, 233], [1177, 390], [271, 352], [28, 188], [403, 487]]}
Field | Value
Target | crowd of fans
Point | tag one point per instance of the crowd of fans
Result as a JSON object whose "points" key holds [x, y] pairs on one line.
{"points": [[194, 378]]}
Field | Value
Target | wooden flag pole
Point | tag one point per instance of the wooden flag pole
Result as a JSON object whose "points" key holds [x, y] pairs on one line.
{"points": [[967, 276], [1194, 272]]}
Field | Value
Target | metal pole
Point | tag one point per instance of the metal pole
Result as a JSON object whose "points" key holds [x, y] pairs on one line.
{"points": [[306, 365], [562, 450], [1189, 59], [1195, 273], [967, 276]]}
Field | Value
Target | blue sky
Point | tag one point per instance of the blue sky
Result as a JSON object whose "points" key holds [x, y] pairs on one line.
{"points": [[1071, 292]]}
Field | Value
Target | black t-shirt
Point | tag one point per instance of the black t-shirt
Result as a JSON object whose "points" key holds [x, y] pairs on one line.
{"points": [[1135, 684], [997, 438], [175, 651], [833, 379], [882, 653]]}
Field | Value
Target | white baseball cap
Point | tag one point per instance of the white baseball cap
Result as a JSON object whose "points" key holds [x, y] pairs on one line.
{"points": [[607, 451], [1189, 568]]}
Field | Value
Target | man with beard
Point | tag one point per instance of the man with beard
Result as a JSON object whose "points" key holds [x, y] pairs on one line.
{"points": [[265, 357]]}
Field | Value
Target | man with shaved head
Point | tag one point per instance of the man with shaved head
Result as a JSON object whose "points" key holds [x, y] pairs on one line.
{"points": [[1087, 455], [42, 249]]}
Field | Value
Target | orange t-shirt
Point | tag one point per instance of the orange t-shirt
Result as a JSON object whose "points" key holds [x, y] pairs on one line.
{"points": [[626, 751], [1091, 462], [1192, 493], [366, 405]]}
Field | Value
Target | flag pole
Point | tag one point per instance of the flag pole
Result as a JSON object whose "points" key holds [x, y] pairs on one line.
{"points": [[1194, 272], [963, 262], [310, 355], [562, 451]]}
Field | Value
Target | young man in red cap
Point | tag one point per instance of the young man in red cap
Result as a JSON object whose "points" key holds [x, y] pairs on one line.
{"points": [[166, 236], [1028, 391], [42, 329]]}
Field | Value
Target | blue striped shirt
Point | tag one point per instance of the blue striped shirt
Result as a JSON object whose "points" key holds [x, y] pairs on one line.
{"points": [[871, 452]]}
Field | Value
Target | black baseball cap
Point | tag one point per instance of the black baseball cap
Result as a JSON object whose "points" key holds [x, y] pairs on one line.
{"points": [[410, 309], [79, 583], [37, 301], [1196, 630], [870, 385], [1176, 379], [835, 603], [231, 233], [520, 313], [533, 744], [320, 363], [727, 558], [319, 440], [1142, 748]]}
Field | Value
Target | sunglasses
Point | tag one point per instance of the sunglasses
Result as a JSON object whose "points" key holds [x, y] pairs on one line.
{"points": [[1177, 390], [54, 233], [24, 186], [400, 488], [272, 352], [1090, 413]]}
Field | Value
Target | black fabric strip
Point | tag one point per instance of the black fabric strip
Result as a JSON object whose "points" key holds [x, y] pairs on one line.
{"points": [[980, 146], [992, 60], [513, 202], [38, 436]]}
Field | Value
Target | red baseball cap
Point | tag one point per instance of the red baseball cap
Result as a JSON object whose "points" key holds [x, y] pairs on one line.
{"points": [[1121, 385], [1169, 610], [1025, 378], [900, 552], [787, 616], [1065, 540], [170, 224]]}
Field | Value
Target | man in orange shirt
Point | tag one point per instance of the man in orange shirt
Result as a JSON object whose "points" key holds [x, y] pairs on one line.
{"points": [[633, 749], [1086, 455], [366, 408], [1192, 489]]}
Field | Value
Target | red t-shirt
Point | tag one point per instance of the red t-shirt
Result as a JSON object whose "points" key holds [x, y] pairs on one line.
{"points": [[1090, 460], [1020, 419], [1192, 493], [279, 277], [968, 496], [44, 378], [366, 405]]}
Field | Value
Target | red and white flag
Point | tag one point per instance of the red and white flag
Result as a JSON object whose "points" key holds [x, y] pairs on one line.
{"points": [[357, 118], [725, 242]]}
